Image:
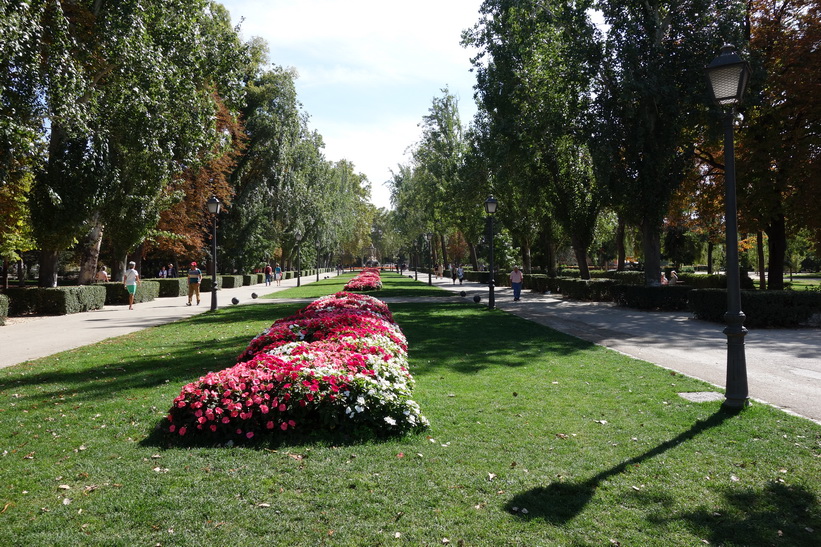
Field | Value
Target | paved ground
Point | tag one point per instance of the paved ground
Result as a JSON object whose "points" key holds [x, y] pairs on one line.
{"points": [[783, 365]]}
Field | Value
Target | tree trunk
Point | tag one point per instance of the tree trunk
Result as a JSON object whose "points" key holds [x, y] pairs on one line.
{"points": [[474, 258], [620, 250], [651, 243], [710, 247], [5, 273], [581, 256], [777, 233], [444, 259], [91, 253], [526, 261], [762, 275], [138, 258], [119, 267], [48, 268]]}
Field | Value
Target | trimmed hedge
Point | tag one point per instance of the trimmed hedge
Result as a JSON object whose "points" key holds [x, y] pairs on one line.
{"points": [[594, 290], [207, 283], [784, 309], [651, 298], [627, 277], [116, 293], [173, 286], [230, 281], [4, 308], [714, 281], [249, 279], [55, 301]]}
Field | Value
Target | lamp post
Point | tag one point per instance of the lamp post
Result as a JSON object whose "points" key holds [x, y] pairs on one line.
{"points": [[317, 260], [490, 209], [429, 238], [416, 260], [298, 237], [728, 75], [214, 208]]}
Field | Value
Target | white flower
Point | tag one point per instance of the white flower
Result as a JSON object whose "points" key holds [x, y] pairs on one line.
{"points": [[390, 421]]}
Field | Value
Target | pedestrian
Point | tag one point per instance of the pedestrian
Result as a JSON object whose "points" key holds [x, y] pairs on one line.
{"points": [[102, 276], [453, 273], [673, 277], [269, 272], [194, 280], [163, 273], [171, 272], [460, 272], [131, 278], [516, 278], [663, 279], [278, 274]]}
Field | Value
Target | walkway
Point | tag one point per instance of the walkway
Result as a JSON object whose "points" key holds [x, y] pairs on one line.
{"points": [[783, 365]]}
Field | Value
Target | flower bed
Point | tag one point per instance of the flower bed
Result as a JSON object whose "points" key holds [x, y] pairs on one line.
{"points": [[339, 362], [367, 280]]}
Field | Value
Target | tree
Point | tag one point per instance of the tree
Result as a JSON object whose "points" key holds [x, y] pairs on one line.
{"points": [[647, 102], [779, 142]]}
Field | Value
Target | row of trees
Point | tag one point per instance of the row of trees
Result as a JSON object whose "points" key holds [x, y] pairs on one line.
{"points": [[119, 119], [578, 127]]}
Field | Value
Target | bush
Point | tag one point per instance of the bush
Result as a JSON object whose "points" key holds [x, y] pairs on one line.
{"points": [[714, 281], [4, 308], [249, 279], [173, 286], [593, 290], [627, 277], [651, 298], [55, 301], [207, 283], [785, 309], [230, 281], [116, 293]]}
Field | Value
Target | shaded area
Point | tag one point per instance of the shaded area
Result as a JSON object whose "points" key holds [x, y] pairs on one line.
{"points": [[559, 502], [468, 338]]}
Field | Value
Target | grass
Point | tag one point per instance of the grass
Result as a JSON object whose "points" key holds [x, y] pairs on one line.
{"points": [[537, 438], [393, 285]]}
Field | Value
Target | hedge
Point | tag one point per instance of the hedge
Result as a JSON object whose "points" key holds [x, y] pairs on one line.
{"points": [[714, 281], [55, 301], [173, 286], [207, 283], [4, 308], [116, 293], [595, 290], [651, 298], [784, 309], [230, 281]]}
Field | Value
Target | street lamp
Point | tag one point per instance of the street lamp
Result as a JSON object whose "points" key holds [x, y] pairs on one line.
{"points": [[490, 209], [298, 237], [214, 208], [428, 238], [728, 75], [416, 261], [317, 259]]}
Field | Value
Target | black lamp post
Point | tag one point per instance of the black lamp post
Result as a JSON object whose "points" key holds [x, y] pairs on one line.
{"points": [[416, 260], [728, 75], [214, 208], [298, 237], [317, 260], [490, 209], [429, 238]]}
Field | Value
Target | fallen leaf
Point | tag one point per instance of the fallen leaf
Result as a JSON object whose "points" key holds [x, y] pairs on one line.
{"points": [[512, 465], [561, 435], [263, 505], [491, 476], [66, 501], [297, 457], [397, 535], [64, 487], [445, 541], [734, 478], [601, 422]]}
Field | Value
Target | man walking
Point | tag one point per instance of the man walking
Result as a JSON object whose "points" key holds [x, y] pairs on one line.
{"points": [[194, 280]]}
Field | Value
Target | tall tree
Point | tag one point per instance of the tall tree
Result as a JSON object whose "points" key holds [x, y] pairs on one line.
{"points": [[655, 51]]}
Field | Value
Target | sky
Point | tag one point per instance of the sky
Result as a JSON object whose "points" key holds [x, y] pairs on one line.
{"points": [[368, 70]]}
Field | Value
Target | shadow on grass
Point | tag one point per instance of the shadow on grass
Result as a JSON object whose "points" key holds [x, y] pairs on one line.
{"points": [[775, 514], [560, 502], [468, 338]]}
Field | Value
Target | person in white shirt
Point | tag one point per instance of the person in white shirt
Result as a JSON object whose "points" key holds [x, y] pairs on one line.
{"points": [[131, 278], [516, 279]]}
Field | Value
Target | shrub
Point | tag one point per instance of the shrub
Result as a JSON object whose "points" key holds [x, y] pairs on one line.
{"points": [[249, 279], [784, 309], [230, 281], [173, 286], [713, 281], [627, 277], [651, 298], [56, 301], [116, 293], [207, 283], [595, 290], [4, 308]]}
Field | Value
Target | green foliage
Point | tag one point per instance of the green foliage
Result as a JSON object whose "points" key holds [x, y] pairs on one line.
{"points": [[651, 298], [780, 309], [208, 282], [172, 287], [55, 301], [4, 308], [116, 293], [595, 290], [627, 277], [231, 281]]}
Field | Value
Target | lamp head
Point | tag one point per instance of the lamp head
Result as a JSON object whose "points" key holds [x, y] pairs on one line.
{"points": [[728, 75], [214, 205], [490, 205]]}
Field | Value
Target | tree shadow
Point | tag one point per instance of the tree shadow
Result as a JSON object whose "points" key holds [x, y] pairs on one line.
{"points": [[560, 502]]}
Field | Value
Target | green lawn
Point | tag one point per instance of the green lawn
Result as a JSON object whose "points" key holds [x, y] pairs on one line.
{"points": [[393, 284], [537, 438]]}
